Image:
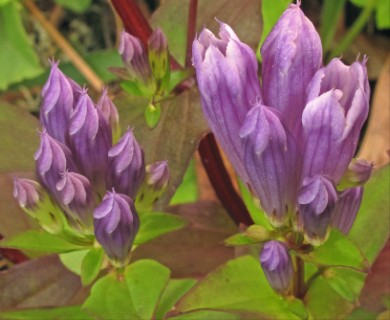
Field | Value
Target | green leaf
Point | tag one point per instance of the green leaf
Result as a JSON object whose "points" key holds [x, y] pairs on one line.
{"points": [[188, 189], [73, 260], [257, 214], [370, 230], [152, 114], [175, 289], [110, 299], [271, 11], [338, 250], [18, 60], [154, 224], [239, 285], [132, 87], [209, 315], [39, 241], [4, 2], [330, 14], [62, 313], [78, 6], [382, 14], [347, 283], [361, 314], [91, 265], [133, 295], [323, 303], [178, 77]]}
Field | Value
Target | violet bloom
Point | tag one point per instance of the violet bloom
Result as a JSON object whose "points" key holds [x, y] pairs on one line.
{"points": [[277, 266], [347, 208], [292, 144], [108, 109], [126, 168], [58, 98], [116, 225], [26, 192], [135, 58], [158, 175], [90, 138]]}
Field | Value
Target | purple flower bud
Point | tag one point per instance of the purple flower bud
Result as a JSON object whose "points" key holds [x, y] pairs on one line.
{"points": [[126, 169], [158, 175], [58, 98], [26, 192], [158, 42], [291, 54], [158, 55], [226, 71], [108, 109], [75, 193], [357, 174], [317, 201], [347, 208], [135, 58], [338, 102], [116, 225], [52, 158], [277, 266], [90, 139], [271, 160]]}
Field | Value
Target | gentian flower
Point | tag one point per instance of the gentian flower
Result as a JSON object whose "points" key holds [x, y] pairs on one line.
{"points": [[277, 266], [292, 138], [76, 163]]}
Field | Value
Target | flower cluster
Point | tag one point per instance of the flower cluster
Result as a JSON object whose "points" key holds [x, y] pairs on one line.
{"points": [[291, 138], [87, 184]]}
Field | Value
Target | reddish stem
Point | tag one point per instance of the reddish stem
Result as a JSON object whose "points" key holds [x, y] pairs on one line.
{"points": [[15, 256], [221, 182], [191, 30]]}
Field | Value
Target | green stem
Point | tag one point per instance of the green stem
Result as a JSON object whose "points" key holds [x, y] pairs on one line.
{"points": [[354, 30]]}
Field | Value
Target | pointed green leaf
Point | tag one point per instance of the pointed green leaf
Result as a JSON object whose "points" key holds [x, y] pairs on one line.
{"points": [[132, 295], [338, 250], [347, 283], [239, 285], [91, 265], [18, 60], [39, 241], [178, 77], [370, 230], [175, 289], [207, 314], [155, 224], [188, 189], [131, 87], [152, 114], [73, 260]]}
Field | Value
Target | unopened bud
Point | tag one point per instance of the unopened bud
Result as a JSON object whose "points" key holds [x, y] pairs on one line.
{"points": [[357, 174]]}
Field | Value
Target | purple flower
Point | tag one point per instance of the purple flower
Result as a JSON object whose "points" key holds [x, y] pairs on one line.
{"points": [[159, 58], [347, 208], [26, 192], [317, 201], [108, 109], [116, 225], [135, 58], [58, 98], [126, 168], [291, 54], [292, 144], [52, 158], [226, 70], [90, 139], [271, 160], [158, 175], [75, 194], [277, 266]]}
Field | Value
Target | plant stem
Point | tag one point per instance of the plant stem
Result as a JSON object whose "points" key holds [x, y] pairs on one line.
{"points": [[191, 29], [220, 180], [354, 30], [299, 278]]}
